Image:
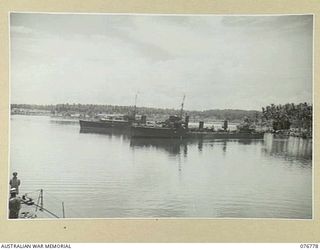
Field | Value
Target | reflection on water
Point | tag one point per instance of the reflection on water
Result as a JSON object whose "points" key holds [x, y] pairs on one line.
{"points": [[128, 178], [178, 146], [107, 131], [291, 147], [171, 146], [64, 121]]}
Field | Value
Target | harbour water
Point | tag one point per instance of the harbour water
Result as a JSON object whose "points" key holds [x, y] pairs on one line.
{"points": [[112, 176]]}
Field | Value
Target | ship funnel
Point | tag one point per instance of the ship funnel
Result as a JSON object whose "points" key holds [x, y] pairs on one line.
{"points": [[201, 124], [143, 119], [186, 121], [225, 125]]}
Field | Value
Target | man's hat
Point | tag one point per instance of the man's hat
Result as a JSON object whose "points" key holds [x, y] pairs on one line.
{"points": [[13, 191]]}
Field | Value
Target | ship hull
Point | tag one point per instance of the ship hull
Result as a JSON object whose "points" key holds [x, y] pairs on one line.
{"points": [[157, 132], [226, 135], [104, 126]]}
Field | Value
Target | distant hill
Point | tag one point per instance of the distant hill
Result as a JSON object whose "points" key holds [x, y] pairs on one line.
{"points": [[151, 113]]}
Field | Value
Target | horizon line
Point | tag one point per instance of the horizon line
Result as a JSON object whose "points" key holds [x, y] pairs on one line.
{"points": [[256, 110]]}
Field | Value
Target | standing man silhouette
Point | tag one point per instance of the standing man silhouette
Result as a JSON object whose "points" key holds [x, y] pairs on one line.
{"points": [[14, 204], [15, 182]]}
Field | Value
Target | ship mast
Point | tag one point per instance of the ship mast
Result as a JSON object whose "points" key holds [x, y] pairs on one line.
{"points": [[135, 106], [181, 110]]}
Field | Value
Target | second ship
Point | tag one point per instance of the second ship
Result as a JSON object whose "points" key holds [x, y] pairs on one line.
{"points": [[112, 123]]}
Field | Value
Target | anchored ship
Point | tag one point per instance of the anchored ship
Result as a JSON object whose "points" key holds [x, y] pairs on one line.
{"points": [[112, 123], [174, 127], [106, 124], [180, 130], [237, 134]]}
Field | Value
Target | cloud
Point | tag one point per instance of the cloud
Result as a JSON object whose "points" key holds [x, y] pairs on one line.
{"points": [[219, 62]]}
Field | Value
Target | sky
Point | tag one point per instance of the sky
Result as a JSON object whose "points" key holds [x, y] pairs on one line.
{"points": [[218, 62]]}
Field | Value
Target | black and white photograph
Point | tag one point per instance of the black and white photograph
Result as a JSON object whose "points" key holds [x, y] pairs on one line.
{"points": [[160, 116]]}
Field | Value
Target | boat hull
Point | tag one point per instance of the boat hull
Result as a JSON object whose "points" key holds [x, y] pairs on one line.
{"points": [[157, 132], [226, 135], [104, 126]]}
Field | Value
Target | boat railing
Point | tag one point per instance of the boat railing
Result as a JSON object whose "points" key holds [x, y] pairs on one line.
{"points": [[38, 205]]}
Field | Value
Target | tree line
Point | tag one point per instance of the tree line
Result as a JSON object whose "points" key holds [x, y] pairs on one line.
{"points": [[92, 110], [277, 117], [282, 117]]}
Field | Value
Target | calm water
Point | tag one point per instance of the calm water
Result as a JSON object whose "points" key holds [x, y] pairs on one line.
{"points": [[107, 176]]}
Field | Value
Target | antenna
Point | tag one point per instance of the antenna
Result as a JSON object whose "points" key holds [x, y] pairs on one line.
{"points": [[41, 200], [181, 111], [63, 212]]}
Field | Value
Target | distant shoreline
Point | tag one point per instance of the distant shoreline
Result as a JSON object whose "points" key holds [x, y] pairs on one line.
{"points": [[90, 110]]}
